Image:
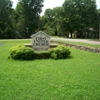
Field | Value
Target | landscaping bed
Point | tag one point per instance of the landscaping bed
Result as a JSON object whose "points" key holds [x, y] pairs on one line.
{"points": [[86, 48]]}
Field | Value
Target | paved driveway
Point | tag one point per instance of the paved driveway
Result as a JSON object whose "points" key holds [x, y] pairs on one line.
{"points": [[88, 41]]}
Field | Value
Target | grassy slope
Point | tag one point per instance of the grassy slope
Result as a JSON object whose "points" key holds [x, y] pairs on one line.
{"points": [[76, 78]]}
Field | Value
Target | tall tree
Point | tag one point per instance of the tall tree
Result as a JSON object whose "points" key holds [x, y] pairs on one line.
{"points": [[50, 21], [28, 12], [6, 28], [48, 18], [99, 23], [78, 14]]}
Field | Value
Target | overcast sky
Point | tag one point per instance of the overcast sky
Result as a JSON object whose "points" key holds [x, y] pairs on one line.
{"points": [[53, 3]]}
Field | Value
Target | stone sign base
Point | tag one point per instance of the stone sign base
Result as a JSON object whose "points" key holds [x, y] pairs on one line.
{"points": [[51, 45]]}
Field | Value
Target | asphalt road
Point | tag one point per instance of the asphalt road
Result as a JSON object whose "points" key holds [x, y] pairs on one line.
{"points": [[88, 41]]}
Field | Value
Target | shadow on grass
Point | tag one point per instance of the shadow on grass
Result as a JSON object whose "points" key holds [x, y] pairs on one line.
{"points": [[70, 57]]}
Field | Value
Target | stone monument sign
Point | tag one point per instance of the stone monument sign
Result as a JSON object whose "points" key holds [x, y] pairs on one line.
{"points": [[40, 41]]}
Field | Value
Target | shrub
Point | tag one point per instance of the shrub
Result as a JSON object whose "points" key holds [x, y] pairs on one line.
{"points": [[27, 53], [60, 52], [21, 52], [41, 55]]}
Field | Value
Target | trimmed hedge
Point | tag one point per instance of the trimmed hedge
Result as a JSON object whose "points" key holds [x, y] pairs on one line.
{"points": [[21, 52], [27, 53], [60, 52]]}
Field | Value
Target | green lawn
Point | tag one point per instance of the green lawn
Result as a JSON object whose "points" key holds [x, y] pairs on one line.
{"points": [[77, 78]]}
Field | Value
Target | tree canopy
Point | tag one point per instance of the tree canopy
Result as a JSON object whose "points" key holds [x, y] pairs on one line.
{"points": [[6, 28], [79, 17], [73, 16], [28, 12]]}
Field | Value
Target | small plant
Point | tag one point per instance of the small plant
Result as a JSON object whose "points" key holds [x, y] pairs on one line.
{"points": [[60, 52], [21, 52]]}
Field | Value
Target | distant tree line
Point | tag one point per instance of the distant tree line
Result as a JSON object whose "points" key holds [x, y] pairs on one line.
{"points": [[74, 17], [78, 18]]}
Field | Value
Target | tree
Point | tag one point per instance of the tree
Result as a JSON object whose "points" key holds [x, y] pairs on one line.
{"points": [[50, 21], [78, 14], [6, 27], [46, 21], [99, 22], [28, 12]]}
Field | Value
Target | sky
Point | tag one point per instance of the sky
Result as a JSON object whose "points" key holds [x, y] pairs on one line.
{"points": [[52, 3]]}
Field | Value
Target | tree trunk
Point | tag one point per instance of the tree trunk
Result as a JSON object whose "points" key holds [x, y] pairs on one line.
{"points": [[71, 32]]}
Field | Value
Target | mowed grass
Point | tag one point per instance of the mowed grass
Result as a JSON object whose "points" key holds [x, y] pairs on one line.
{"points": [[76, 78]]}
